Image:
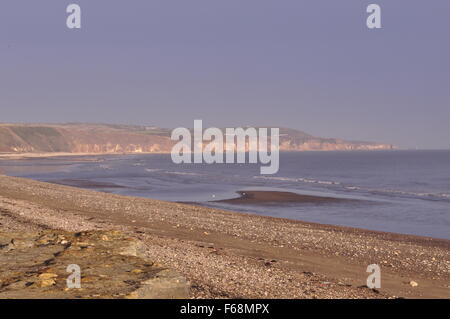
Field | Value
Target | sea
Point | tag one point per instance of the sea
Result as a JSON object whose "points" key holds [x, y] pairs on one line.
{"points": [[396, 191]]}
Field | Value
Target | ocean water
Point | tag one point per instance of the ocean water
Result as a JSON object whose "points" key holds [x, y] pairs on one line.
{"points": [[398, 191]]}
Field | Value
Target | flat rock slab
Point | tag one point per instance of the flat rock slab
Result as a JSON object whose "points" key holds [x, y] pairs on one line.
{"points": [[111, 266]]}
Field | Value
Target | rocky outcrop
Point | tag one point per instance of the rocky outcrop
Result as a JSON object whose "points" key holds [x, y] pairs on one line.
{"points": [[116, 139], [111, 266]]}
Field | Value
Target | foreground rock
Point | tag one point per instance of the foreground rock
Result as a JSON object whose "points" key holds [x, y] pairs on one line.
{"points": [[35, 266]]}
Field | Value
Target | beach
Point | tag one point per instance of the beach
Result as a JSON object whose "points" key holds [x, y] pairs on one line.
{"points": [[225, 149], [224, 254]]}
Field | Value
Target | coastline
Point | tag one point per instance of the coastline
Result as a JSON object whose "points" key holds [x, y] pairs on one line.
{"points": [[16, 156], [12, 156], [233, 255]]}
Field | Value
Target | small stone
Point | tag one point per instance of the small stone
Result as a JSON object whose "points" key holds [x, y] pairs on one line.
{"points": [[136, 271], [83, 244], [87, 279], [47, 283], [47, 275], [413, 283]]}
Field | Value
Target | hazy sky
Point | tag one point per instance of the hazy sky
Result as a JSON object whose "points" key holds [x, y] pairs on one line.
{"points": [[306, 64]]}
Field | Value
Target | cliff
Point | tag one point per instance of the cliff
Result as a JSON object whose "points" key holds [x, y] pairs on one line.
{"points": [[102, 138]]}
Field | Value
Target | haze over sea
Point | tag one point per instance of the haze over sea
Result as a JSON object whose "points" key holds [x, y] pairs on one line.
{"points": [[394, 191]]}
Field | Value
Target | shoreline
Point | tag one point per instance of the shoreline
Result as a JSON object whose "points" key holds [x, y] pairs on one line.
{"points": [[20, 156], [248, 197], [69, 154], [424, 240], [234, 255]]}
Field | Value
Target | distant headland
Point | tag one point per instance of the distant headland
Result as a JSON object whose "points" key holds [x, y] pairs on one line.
{"points": [[118, 139]]}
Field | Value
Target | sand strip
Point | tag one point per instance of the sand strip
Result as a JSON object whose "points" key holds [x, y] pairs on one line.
{"points": [[267, 197]]}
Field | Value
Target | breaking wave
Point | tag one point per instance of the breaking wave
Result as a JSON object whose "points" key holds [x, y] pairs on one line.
{"points": [[304, 180], [374, 191]]}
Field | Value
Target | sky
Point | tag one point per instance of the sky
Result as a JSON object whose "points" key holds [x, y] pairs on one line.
{"points": [[311, 65]]}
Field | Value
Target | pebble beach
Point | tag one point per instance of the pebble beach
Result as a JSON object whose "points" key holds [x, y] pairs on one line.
{"points": [[224, 254]]}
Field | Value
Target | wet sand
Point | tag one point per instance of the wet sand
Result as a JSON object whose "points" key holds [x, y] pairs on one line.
{"points": [[267, 197], [231, 255], [82, 183]]}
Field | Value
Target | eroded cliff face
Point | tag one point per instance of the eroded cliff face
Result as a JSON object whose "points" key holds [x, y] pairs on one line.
{"points": [[81, 139], [116, 139], [317, 145]]}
